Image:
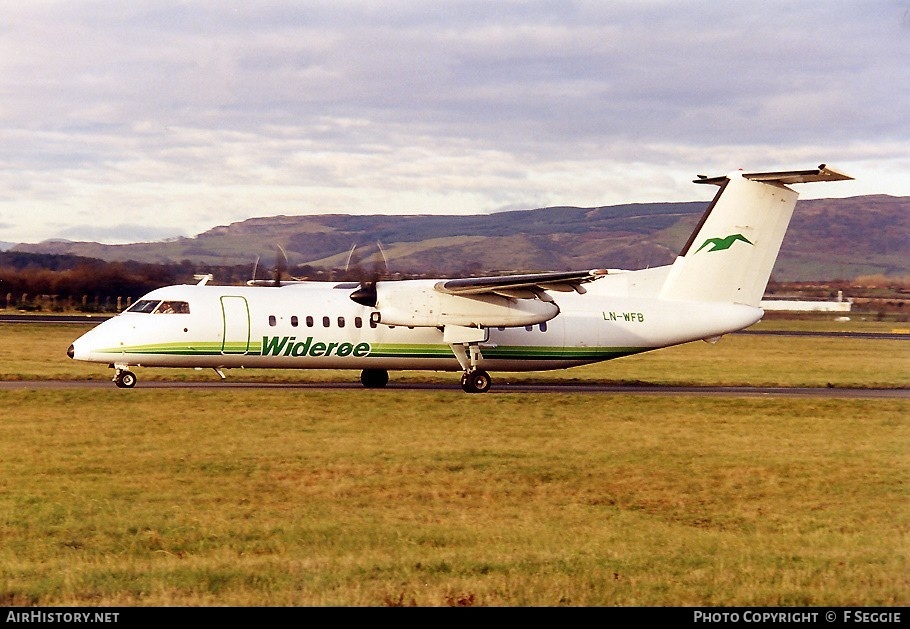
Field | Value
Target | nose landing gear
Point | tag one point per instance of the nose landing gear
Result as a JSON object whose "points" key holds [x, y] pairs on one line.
{"points": [[124, 378]]}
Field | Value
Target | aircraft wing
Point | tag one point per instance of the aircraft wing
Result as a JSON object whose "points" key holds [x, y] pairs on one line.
{"points": [[528, 286]]}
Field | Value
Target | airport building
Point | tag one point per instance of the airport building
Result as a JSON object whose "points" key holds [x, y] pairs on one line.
{"points": [[799, 305]]}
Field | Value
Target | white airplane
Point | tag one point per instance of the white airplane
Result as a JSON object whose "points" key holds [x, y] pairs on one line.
{"points": [[473, 325]]}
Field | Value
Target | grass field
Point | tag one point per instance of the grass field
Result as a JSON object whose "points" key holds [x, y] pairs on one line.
{"points": [[303, 497], [35, 351]]}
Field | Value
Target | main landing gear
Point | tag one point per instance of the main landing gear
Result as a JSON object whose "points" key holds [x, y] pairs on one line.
{"points": [[124, 378], [473, 379], [374, 378], [476, 381]]}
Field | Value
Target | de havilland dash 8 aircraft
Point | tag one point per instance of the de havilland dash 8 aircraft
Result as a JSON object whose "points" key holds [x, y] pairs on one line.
{"points": [[472, 325]]}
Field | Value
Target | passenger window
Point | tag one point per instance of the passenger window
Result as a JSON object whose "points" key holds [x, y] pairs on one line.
{"points": [[326, 322], [272, 321], [340, 322], [309, 321], [358, 322], [294, 321]]}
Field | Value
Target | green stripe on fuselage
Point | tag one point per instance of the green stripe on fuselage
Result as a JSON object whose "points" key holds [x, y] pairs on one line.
{"points": [[390, 350]]}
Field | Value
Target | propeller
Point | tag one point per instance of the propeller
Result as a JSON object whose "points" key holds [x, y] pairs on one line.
{"points": [[255, 267], [279, 270], [365, 295], [281, 264]]}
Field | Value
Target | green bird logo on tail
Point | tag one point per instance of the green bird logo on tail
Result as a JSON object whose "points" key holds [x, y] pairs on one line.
{"points": [[722, 244]]}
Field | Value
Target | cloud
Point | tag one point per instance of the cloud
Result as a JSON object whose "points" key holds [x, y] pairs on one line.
{"points": [[117, 233], [177, 117]]}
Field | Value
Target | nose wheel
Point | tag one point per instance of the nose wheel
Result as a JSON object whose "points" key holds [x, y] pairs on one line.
{"points": [[477, 381], [125, 379]]}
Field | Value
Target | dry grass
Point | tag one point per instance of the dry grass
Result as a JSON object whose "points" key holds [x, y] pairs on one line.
{"points": [[372, 498], [302, 497]]}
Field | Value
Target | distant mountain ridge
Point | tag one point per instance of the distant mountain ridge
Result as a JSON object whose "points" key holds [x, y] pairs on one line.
{"points": [[828, 239]]}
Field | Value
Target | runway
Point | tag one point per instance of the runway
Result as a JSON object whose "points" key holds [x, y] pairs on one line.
{"points": [[497, 389]]}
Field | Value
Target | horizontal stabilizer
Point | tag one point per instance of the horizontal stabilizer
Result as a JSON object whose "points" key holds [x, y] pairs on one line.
{"points": [[822, 173]]}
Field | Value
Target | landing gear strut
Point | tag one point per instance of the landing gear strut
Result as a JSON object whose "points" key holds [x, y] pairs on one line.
{"points": [[465, 343], [374, 378], [477, 381], [124, 378]]}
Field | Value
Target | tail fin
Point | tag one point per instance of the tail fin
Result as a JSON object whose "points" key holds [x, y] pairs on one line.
{"points": [[731, 253]]}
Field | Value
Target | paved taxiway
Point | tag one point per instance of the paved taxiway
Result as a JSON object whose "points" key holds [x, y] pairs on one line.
{"points": [[501, 387]]}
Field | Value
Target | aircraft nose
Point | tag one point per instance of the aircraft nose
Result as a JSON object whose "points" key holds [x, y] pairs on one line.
{"points": [[71, 352]]}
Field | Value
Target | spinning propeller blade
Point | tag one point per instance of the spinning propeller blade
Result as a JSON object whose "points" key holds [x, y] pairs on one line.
{"points": [[365, 294]]}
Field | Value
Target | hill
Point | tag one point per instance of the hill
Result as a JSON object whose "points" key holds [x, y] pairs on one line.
{"points": [[828, 239]]}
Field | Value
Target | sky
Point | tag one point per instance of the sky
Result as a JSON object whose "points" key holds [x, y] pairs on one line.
{"points": [[142, 121]]}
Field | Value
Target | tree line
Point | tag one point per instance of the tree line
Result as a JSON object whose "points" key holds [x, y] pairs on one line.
{"points": [[62, 282], [49, 282]]}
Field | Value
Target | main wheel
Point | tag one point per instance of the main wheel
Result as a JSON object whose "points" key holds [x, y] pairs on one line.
{"points": [[126, 380], [374, 378], [476, 381]]}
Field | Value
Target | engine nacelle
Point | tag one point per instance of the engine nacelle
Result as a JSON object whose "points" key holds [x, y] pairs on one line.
{"points": [[417, 303]]}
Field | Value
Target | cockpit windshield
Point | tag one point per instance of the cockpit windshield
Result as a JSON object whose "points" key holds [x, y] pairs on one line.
{"points": [[160, 307], [173, 307], [144, 305]]}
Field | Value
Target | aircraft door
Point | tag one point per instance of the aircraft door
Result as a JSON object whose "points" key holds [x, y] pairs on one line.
{"points": [[236, 338]]}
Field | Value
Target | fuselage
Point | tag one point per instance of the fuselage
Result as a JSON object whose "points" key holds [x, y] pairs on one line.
{"points": [[316, 325]]}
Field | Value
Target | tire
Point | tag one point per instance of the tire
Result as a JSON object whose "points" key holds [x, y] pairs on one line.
{"points": [[476, 382], [374, 378], [126, 380]]}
